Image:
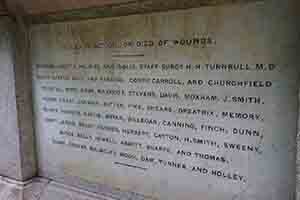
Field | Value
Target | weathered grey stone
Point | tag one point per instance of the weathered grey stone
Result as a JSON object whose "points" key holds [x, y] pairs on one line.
{"points": [[14, 190], [62, 192], [23, 90], [10, 163], [17, 146], [127, 8], [298, 157], [17, 142], [263, 32], [43, 189]]}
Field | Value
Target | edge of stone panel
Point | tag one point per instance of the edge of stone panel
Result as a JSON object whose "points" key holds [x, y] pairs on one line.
{"points": [[40, 188], [128, 8]]}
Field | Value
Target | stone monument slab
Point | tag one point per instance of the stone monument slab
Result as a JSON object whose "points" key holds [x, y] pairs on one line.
{"points": [[176, 105]]}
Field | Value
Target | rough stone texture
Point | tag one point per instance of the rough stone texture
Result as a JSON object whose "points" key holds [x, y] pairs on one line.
{"points": [[16, 144], [13, 190], [23, 85], [2, 9], [126, 8], [43, 189], [62, 192], [10, 164], [298, 157], [45, 6], [34, 7]]}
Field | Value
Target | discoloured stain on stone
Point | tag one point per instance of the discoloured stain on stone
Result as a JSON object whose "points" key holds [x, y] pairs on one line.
{"points": [[129, 8]]}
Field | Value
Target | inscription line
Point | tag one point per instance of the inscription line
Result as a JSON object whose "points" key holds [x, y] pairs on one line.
{"points": [[128, 55], [127, 165]]}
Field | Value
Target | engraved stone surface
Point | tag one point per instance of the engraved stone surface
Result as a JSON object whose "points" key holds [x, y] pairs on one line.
{"points": [[176, 105]]}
